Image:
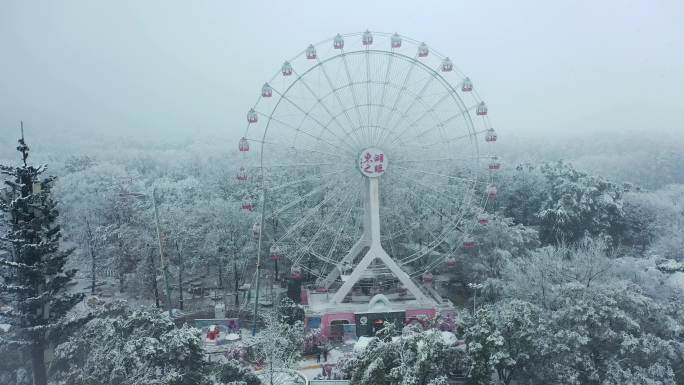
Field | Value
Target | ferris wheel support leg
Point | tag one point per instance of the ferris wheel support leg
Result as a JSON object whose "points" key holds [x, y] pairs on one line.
{"points": [[349, 258], [372, 229], [364, 241]]}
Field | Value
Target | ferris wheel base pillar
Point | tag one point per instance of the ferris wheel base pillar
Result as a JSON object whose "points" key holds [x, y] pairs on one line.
{"points": [[372, 231]]}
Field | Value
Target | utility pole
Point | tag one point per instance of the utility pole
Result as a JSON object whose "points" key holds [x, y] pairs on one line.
{"points": [[164, 266]]}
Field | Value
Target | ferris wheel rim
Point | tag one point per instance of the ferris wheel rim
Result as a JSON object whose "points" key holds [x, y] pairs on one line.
{"points": [[414, 61]]}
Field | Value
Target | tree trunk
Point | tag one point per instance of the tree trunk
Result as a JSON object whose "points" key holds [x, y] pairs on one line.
{"points": [[237, 284], [92, 272], [38, 361], [180, 277], [89, 240], [153, 275], [220, 273], [275, 261]]}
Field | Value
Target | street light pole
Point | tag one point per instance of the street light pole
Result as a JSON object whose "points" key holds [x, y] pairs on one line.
{"points": [[164, 266]]}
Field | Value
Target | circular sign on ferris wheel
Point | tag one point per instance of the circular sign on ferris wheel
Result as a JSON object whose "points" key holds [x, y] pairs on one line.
{"points": [[372, 162]]}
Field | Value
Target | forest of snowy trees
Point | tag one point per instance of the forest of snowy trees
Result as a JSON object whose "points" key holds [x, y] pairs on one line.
{"points": [[580, 279]]}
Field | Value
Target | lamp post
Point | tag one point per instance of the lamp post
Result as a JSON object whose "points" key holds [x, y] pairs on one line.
{"points": [[164, 265]]}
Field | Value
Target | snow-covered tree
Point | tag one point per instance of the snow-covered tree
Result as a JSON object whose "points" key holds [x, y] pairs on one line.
{"points": [[278, 344], [123, 347], [416, 357], [33, 276]]}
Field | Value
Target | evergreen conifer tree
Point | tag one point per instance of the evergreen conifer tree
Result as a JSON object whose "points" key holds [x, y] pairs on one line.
{"points": [[33, 280]]}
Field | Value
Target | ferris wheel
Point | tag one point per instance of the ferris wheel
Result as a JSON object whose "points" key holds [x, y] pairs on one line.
{"points": [[368, 157]]}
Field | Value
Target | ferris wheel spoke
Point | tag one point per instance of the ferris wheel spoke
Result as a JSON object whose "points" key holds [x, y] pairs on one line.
{"points": [[374, 129], [427, 112], [448, 228], [315, 137], [319, 102], [338, 233], [443, 122], [302, 180], [417, 99], [401, 91], [301, 198], [431, 246], [308, 115], [353, 92], [309, 149], [337, 95], [435, 174], [310, 213], [294, 165], [434, 191], [429, 146], [428, 160], [329, 216], [377, 105], [384, 89], [429, 188]]}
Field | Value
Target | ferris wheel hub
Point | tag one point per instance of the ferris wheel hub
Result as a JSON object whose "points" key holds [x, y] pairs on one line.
{"points": [[372, 162]]}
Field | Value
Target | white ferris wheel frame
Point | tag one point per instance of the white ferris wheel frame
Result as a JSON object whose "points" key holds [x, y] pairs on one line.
{"points": [[371, 235]]}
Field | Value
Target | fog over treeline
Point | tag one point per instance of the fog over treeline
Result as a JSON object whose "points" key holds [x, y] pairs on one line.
{"points": [[648, 158]]}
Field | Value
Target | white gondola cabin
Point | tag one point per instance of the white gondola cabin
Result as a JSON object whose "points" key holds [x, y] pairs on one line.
{"points": [[311, 52], [447, 65], [490, 136], [266, 90], [469, 244], [296, 272], [252, 116], [286, 69], [244, 145], [494, 164], [491, 191], [242, 175], [276, 253], [467, 85], [338, 42], [423, 50], [247, 204], [481, 109], [395, 41], [256, 230], [367, 38]]}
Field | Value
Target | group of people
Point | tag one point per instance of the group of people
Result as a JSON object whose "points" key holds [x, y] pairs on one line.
{"points": [[322, 350]]}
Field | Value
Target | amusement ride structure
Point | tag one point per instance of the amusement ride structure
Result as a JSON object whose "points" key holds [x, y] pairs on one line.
{"points": [[367, 162]]}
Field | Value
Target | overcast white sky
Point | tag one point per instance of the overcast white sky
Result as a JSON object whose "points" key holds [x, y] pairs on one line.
{"points": [[188, 67]]}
